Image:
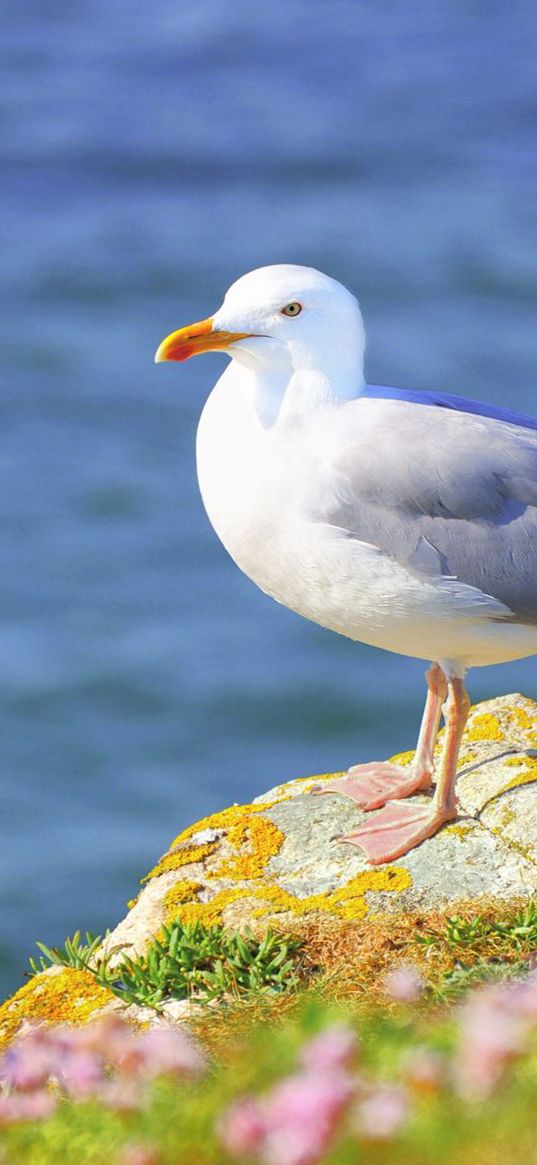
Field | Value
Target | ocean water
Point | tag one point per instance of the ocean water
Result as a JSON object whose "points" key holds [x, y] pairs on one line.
{"points": [[150, 155]]}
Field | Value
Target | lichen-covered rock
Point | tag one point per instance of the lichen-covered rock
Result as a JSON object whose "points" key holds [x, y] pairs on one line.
{"points": [[59, 995], [274, 861]]}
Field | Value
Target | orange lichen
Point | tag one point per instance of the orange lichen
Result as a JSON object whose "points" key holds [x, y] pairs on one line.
{"points": [[66, 996]]}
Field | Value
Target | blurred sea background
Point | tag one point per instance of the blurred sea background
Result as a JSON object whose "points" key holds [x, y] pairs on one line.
{"points": [[152, 153]]}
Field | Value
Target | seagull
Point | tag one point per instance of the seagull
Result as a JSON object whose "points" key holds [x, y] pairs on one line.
{"points": [[402, 519]]}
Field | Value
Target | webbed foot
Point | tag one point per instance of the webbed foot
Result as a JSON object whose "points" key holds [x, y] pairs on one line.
{"points": [[395, 830], [372, 785]]}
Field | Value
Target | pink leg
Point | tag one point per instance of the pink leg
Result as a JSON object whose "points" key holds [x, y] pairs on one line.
{"points": [[371, 785], [396, 829]]}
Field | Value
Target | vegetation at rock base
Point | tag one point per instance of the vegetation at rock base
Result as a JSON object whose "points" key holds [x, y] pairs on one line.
{"points": [[344, 960], [74, 953], [383, 1054], [404, 1082], [187, 960]]}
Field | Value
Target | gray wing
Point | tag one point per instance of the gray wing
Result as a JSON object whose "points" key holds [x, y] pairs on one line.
{"points": [[444, 493]]}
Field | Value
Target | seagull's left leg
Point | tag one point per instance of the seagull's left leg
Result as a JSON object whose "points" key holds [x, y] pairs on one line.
{"points": [[396, 829], [372, 785]]}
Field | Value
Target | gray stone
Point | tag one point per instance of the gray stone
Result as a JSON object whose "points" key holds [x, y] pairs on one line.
{"points": [[275, 860]]}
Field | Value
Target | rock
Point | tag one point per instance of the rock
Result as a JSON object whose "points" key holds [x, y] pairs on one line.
{"points": [[273, 862]]}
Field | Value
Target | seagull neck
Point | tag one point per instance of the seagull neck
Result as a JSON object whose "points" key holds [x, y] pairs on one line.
{"points": [[280, 390]]}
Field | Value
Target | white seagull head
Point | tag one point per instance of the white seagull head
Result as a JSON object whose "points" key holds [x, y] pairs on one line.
{"points": [[280, 316]]}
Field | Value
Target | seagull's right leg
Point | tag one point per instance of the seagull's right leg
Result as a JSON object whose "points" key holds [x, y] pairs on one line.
{"points": [[371, 785]]}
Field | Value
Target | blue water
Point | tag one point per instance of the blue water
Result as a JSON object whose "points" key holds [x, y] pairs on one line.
{"points": [[151, 154]]}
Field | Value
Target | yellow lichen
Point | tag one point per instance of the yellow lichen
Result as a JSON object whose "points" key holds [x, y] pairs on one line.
{"points": [[403, 758], [347, 901], [221, 820], [522, 718], [466, 758], [182, 856], [528, 776], [255, 840], [526, 851], [484, 726], [237, 822], [179, 894], [208, 913], [460, 831], [68, 996], [285, 791]]}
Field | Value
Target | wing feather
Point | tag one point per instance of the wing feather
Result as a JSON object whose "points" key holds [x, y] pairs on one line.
{"points": [[443, 492]]}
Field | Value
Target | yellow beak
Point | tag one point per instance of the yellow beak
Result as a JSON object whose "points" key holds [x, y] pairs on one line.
{"points": [[196, 338]]}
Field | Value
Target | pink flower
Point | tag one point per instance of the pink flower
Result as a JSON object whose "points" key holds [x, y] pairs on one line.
{"points": [[29, 1061], [523, 997], [381, 1115], [296, 1122], [122, 1095], [32, 1106], [334, 1048], [113, 1039], [166, 1051], [80, 1072], [37, 1106], [242, 1127], [493, 1032], [302, 1114], [404, 984]]}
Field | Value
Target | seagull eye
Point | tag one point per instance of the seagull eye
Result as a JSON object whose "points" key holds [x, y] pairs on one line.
{"points": [[291, 309]]}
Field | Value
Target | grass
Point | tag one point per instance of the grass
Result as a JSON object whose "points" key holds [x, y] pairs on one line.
{"points": [[344, 960], [74, 953], [187, 960], [485, 949]]}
